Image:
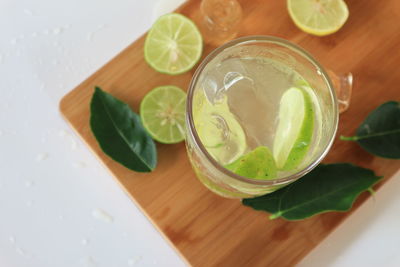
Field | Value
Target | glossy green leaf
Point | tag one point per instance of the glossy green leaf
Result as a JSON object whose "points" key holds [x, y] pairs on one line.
{"points": [[379, 134], [331, 187], [120, 133]]}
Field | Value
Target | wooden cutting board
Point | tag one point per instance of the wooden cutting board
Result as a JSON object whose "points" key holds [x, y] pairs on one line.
{"points": [[206, 229]]}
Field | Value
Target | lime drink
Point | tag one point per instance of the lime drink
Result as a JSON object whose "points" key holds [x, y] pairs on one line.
{"points": [[261, 113], [246, 104]]}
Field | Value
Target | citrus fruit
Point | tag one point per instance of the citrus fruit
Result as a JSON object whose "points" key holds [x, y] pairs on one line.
{"points": [[162, 112], [173, 44], [318, 17], [258, 164], [295, 128]]}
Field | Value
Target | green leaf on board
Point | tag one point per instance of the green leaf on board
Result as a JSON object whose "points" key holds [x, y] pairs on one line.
{"points": [[379, 134], [120, 133], [330, 187]]}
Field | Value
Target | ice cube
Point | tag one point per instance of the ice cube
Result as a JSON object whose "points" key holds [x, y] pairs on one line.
{"points": [[231, 78]]}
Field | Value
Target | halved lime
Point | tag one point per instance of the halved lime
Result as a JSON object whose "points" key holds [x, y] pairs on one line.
{"points": [[173, 44], [258, 164], [295, 128], [162, 112], [318, 17], [218, 129]]}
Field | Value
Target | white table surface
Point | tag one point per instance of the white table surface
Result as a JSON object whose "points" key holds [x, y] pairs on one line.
{"points": [[59, 206]]}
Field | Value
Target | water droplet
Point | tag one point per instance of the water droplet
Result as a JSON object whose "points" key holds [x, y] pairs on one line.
{"points": [[134, 261], [29, 183], [57, 31], [34, 34], [84, 242], [89, 36], [29, 203], [28, 12], [45, 31], [12, 239], [80, 164], [88, 262], [20, 251], [74, 144], [41, 156], [13, 41], [102, 215]]}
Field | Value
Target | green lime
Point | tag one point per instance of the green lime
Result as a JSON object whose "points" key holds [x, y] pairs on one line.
{"points": [[318, 17], [173, 44], [317, 135], [162, 112], [258, 164], [218, 129], [295, 128]]}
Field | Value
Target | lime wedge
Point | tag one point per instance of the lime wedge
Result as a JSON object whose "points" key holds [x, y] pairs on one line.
{"points": [[218, 129], [173, 44], [295, 128], [317, 135], [318, 17], [162, 112], [258, 164]]}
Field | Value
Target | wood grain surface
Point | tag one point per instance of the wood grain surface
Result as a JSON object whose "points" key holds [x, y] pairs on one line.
{"points": [[211, 231]]}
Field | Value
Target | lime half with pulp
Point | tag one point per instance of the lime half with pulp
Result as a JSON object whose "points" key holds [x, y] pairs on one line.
{"points": [[162, 112], [173, 44], [318, 17], [295, 128]]}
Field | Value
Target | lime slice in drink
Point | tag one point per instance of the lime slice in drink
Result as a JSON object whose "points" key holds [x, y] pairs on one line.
{"points": [[173, 44], [317, 135], [218, 129], [258, 164], [295, 128], [318, 17], [162, 112]]}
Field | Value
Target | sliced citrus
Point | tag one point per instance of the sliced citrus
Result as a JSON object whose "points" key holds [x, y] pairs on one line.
{"points": [[218, 129], [162, 112], [258, 164], [318, 17], [173, 44], [295, 128]]}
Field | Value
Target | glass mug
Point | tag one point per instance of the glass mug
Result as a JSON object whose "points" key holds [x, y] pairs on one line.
{"points": [[228, 184]]}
